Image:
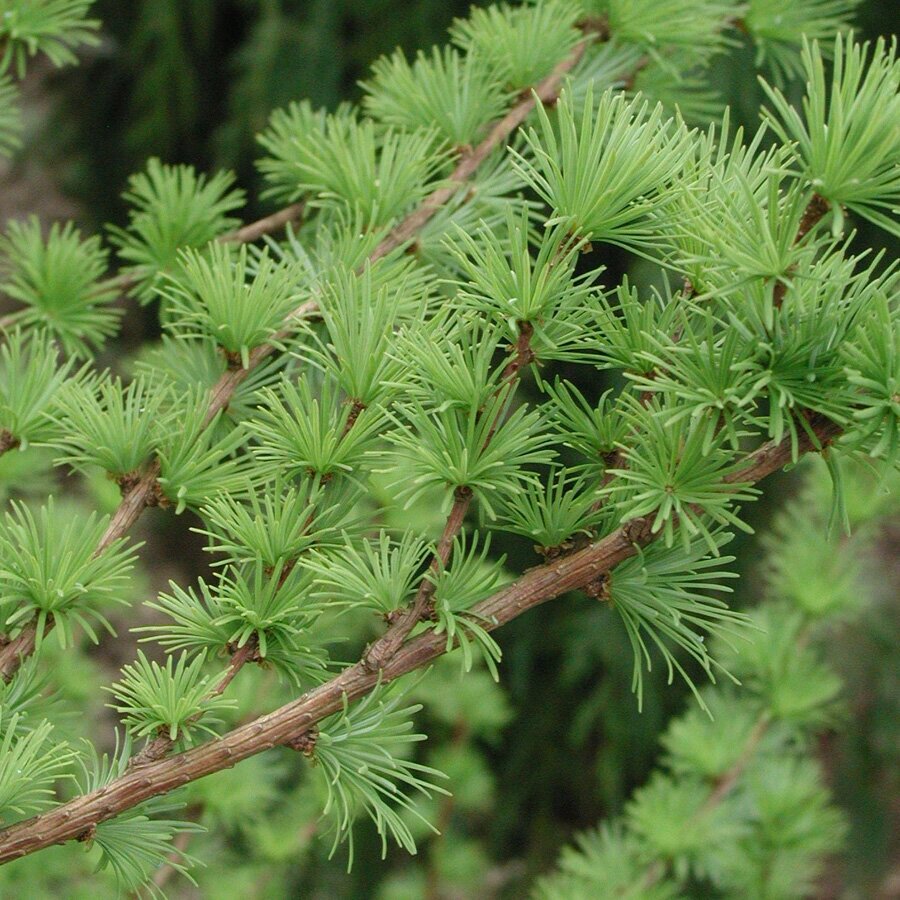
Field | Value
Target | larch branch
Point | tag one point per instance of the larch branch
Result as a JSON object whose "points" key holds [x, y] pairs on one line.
{"points": [[13, 654], [538, 585]]}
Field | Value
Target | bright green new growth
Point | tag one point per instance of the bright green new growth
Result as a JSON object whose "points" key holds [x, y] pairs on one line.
{"points": [[550, 515], [337, 161], [50, 571], [605, 168], [380, 575], [749, 215], [697, 27], [678, 478], [225, 295], [103, 423], [277, 521], [272, 607], [444, 356], [58, 281], [471, 577], [173, 209], [268, 611], [873, 366], [592, 431], [453, 448], [778, 29], [172, 700], [505, 282], [30, 378], [447, 88], [52, 27], [301, 434], [520, 46], [360, 312], [31, 764], [847, 146], [198, 463]]}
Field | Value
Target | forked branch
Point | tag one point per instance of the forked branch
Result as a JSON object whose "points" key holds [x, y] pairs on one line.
{"points": [[142, 493]]}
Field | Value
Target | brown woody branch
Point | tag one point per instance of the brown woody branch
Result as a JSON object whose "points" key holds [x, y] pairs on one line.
{"points": [[80, 816]]}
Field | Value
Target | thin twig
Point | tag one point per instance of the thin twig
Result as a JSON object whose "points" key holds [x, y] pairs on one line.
{"points": [[727, 782], [267, 225], [388, 644], [381, 651]]}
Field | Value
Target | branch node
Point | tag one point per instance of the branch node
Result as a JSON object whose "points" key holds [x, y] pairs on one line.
{"points": [[234, 360], [156, 497], [356, 407], [127, 482], [87, 835], [523, 354], [596, 26], [8, 441], [305, 742], [429, 613], [638, 531], [152, 751], [600, 588], [815, 210]]}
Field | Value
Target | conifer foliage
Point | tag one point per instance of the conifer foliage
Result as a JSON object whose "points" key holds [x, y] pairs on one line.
{"points": [[336, 404], [738, 804]]}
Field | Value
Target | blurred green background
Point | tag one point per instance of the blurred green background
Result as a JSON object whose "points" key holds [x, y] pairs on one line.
{"points": [[564, 745]]}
